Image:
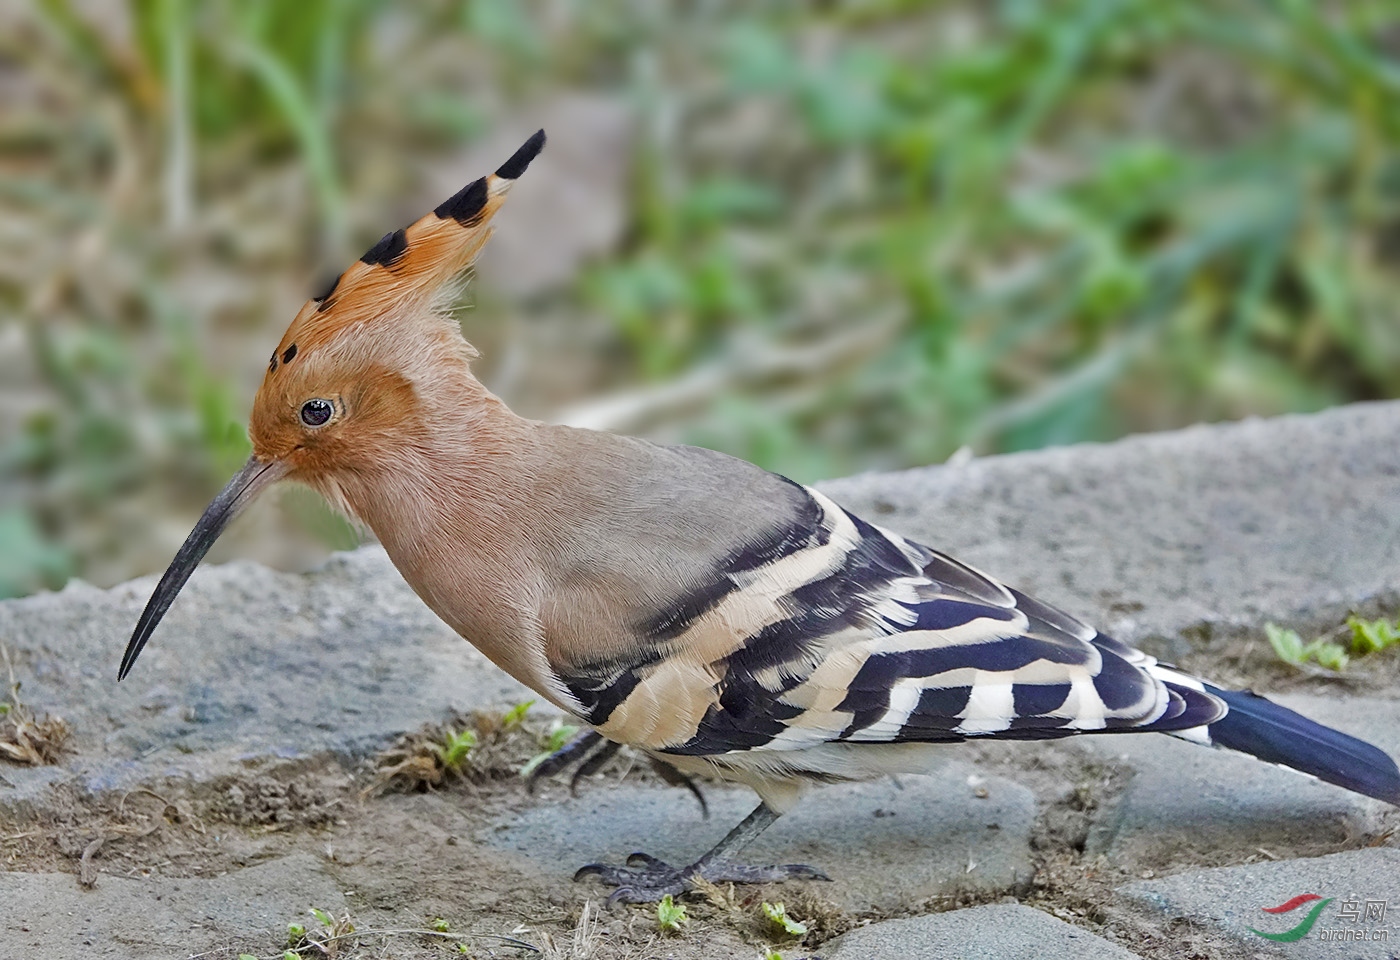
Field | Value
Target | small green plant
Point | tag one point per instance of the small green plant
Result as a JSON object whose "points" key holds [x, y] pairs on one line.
{"points": [[670, 916], [516, 715], [1372, 636], [296, 933], [440, 925], [558, 734], [290, 955], [772, 955], [455, 748], [1292, 650], [778, 917], [322, 917]]}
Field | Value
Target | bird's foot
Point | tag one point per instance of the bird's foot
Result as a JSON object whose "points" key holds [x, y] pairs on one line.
{"points": [[645, 879], [588, 752]]}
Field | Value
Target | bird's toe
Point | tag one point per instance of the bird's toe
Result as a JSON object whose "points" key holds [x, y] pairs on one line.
{"points": [[725, 872]]}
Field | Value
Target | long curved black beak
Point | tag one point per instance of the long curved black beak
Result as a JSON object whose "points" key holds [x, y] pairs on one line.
{"points": [[246, 484]]}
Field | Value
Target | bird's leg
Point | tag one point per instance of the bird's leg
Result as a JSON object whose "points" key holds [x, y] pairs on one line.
{"points": [[584, 750], [645, 879], [592, 764], [577, 750]]}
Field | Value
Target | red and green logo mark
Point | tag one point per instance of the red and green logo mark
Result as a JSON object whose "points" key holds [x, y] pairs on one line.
{"points": [[1301, 930]]}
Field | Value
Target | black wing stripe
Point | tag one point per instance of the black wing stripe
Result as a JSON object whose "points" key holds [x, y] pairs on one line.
{"points": [[855, 633]]}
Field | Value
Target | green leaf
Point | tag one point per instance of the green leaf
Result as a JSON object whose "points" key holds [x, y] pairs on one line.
{"points": [[559, 734], [455, 748], [1330, 655], [516, 714], [440, 925], [670, 916], [323, 917], [1372, 636], [1286, 643], [777, 914]]}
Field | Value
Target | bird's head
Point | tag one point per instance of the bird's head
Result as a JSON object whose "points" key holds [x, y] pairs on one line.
{"points": [[356, 368]]}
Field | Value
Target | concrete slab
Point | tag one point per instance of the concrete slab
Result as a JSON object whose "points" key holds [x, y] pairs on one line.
{"points": [[889, 846], [1229, 902], [47, 916], [249, 663], [995, 932]]}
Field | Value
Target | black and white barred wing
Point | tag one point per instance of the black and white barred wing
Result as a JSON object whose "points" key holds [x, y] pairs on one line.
{"points": [[829, 629]]}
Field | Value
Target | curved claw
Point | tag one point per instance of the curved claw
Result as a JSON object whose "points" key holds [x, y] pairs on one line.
{"points": [[593, 763], [645, 879], [644, 894], [647, 860], [723, 872], [603, 870], [675, 778]]}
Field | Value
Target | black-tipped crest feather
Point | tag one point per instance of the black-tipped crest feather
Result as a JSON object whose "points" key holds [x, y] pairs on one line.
{"points": [[465, 205], [515, 166]]}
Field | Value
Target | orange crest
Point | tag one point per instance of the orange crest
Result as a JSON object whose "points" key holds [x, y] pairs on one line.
{"points": [[410, 265]]}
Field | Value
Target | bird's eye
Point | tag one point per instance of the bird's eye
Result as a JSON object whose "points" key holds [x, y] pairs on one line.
{"points": [[314, 413]]}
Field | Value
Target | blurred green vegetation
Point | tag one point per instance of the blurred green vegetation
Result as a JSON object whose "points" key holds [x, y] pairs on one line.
{"points": [[860, 234]]}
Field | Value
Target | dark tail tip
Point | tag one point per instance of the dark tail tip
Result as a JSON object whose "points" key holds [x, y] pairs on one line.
{"points": [[515, 166], [1276, 734]]}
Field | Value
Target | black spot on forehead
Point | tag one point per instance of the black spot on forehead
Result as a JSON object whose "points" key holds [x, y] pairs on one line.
{"points": [[388, 250], [289, 353], [465, 205]]}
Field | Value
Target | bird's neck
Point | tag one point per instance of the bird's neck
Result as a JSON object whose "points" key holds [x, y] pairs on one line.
{"points": [[447, 509]]}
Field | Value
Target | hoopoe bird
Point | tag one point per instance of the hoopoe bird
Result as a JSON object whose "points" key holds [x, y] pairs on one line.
{"points": [[722, 619]]}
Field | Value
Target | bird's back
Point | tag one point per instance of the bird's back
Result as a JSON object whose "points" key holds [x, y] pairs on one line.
{"points": [[761, 616]]}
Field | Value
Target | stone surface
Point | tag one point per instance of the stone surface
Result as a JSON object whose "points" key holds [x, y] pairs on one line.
{"points": [[1231, 901], [996, 932], [47, 916], [1184, 798], [887, 845], [1293, 519], [248, 663]]}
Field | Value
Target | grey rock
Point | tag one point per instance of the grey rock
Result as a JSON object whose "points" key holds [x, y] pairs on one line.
{"points": [[1230, 901], [1294, 519], [47, 916], [996, 932], [248, 664], [887, 845]]}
